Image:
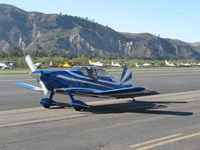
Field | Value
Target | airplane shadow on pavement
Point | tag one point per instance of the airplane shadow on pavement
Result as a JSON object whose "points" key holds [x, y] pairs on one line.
{"points": [[145, 107]]}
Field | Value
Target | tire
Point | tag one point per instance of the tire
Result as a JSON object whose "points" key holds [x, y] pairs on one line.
{"points": [[46, 106], [77, 109]]}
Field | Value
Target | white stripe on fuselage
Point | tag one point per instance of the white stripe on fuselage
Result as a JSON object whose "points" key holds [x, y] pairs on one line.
{"points": [[75, 88], [80, 76], [128, 72], [82, 81]]}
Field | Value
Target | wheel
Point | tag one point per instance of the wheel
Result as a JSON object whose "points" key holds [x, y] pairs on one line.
{"points": [[133, 100], [45, 102], [77, 109], [46, 106]]}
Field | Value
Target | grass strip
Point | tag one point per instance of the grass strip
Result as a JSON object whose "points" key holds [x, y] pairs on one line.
{"points": [[153, 69], [14, 72]]}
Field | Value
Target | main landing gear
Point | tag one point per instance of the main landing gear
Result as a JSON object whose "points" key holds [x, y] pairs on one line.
{"points": [[47, 102], [76, 104]]}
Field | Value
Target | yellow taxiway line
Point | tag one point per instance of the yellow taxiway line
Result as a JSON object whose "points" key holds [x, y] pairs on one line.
{"points": [[179, 138], [155, 140]]}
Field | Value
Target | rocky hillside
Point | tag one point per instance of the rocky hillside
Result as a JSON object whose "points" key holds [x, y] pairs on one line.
{"points": [[67, 35], [196, 46]]}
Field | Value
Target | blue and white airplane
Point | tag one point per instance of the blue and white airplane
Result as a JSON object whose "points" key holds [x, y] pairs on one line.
{"points": [[82, 80]]}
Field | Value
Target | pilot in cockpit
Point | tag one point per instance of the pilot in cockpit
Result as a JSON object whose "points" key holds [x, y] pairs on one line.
{"points": [[91, 73]]}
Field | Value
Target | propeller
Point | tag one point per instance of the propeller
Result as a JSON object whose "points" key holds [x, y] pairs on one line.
{"points": [[32, 68], [30, 63]]}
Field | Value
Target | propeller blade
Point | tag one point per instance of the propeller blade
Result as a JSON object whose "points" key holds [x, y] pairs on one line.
{"points": [[30, 63], [45, 90], [32, 68]]}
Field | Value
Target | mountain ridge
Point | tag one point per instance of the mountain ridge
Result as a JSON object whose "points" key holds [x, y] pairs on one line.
{"points": [[56, 34]]}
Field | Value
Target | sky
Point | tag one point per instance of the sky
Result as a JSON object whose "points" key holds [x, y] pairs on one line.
{"points": [[175, 19]]}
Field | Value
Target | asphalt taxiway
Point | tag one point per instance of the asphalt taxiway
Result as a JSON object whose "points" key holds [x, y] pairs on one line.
{"points": [[12, 97], [169, 121]]}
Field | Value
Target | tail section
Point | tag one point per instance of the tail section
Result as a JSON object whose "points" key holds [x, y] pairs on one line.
{"points": [[166, 62], [136, 65], [90, 62], [126, 78]]}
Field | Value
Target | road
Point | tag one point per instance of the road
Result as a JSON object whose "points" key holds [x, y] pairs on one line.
{"points": [[12, 97]]}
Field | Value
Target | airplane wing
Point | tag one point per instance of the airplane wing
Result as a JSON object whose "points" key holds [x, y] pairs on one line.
{"points": [[127, 92], [118, 93], [28, 86]]}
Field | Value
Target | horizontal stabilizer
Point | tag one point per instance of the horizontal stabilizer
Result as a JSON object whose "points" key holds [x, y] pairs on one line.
{"points": [[28, 86]]}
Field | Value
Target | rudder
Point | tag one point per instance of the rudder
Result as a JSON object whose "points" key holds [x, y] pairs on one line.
{"points": [[126, 77]]}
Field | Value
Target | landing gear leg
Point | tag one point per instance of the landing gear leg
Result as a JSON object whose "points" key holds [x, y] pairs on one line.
{"points": [[77, 104], [47, 102], [51, 95]]}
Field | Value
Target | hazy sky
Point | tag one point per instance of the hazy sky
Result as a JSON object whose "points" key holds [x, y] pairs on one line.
{"points": [[177, 19]]}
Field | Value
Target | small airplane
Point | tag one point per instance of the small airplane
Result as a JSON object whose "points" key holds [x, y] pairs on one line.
{"points": [[196, 64], [115, 64], [38, 65], [169, 64], [143, 65], [89, 81], [51, 63], [96, 63], [66, 64], [177, 65], [186, 64], [7, 65]]}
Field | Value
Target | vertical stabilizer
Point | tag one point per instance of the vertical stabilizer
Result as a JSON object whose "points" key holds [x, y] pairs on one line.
{"points": [[126, 78]]}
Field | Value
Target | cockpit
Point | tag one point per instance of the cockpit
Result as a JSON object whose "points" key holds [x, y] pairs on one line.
{"points": [[92, 72]]}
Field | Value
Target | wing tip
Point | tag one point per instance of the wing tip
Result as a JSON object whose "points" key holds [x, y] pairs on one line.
{"points": [[27, 86]]}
